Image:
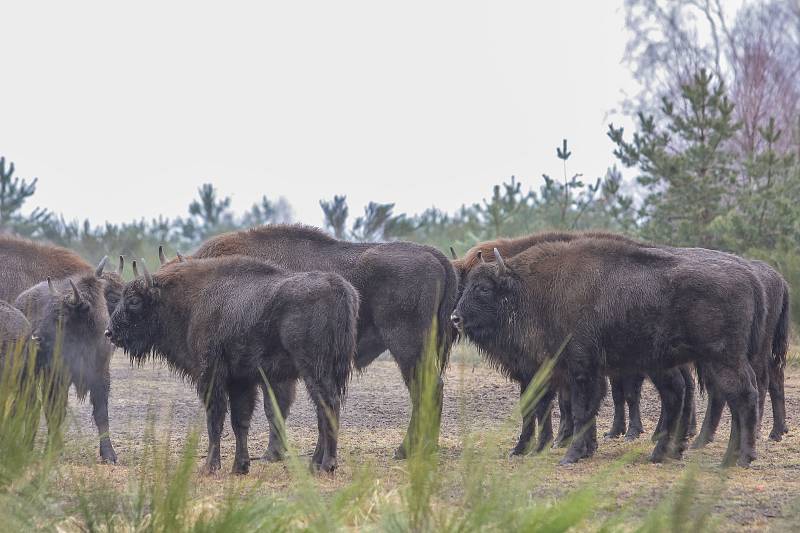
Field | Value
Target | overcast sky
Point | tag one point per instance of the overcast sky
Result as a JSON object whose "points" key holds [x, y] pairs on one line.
{"points": [[124, 112]]}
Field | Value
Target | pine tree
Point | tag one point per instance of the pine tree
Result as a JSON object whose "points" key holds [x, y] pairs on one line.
{"points": [[336, 212]]}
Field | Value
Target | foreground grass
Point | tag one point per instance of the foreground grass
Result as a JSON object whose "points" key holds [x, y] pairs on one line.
{"points": [[469, 484]]}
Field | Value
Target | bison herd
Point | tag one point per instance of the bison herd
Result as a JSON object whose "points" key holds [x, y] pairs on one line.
{"points": [[274, 305]]}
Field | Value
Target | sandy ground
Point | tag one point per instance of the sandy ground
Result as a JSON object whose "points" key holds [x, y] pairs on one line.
{"points": [[476, 398]]}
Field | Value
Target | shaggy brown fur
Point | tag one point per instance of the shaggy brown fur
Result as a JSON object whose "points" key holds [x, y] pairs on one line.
{"points": [[626, 309], [225, 322]]}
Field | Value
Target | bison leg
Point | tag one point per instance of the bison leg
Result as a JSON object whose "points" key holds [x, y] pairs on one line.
{"points": [[738, 385], [716, 404], [328, 406], [587, 388], [544, 417], [55, 409], [243, 402], [633, 397], [285, 392], [671, 389], [528, 423], [688, 401], [407, 368], [215, 399], [618, 395], [98, 395], [776, 396], [565, 426]]}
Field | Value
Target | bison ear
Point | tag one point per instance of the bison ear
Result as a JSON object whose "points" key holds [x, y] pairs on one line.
{"points": [[180, 257], [501, 265], [50, 288], [480, 256]]}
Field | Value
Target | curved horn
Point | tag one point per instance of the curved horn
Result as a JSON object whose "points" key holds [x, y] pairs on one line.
{"points": [[50, 287], [453, 253], [135, 269], [161, 257], [180, 257], [76, 295], [121, 265], [501, 265], [480, 256], [148, 279], [99, 271]]}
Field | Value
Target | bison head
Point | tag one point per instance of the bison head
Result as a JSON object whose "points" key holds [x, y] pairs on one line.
{"points": [[488, 287], [134, 325], [67, 317]]}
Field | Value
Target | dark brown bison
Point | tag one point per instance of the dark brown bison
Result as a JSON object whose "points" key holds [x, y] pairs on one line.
{"points": [[14, 327], [73, 314], [626, 389], [222, 322], [404, 288], [622, 308]]}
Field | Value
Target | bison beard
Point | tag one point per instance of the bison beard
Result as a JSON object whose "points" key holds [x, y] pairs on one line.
{"points": [[628, 309], [222, 322], [404, 288]]}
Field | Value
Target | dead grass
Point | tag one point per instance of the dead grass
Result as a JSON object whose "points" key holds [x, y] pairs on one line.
{"points": [[478, 402]]}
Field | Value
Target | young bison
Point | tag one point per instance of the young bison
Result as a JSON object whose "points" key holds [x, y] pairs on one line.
{"points": [[624, 309], [223, 322]]}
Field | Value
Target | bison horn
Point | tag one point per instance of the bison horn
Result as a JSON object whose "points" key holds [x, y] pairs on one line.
{"points": [[76, 295], [480, 256], [501, 265], [453, 253], [50, 287], [99, 271], [161, 257], [121, 265], [148, 279], [135, 269]]}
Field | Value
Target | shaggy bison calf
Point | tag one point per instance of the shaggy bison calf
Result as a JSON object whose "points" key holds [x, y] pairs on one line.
{"points": [[223, 322], [624, 309]]}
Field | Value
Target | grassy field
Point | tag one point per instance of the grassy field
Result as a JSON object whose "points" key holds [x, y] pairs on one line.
{"points": [[158, 430]]}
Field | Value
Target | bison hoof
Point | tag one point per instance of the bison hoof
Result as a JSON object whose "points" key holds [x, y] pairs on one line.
{"points": [[211, 468], [700, 442], [241, 467], [107, 454], [400, 452], [615, 433], [326, 467], [776, 436], [274, 456], [568, 460], [632, 434]]}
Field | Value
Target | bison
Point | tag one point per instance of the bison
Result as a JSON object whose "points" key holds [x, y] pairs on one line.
{"points": [[623, 308], [404, 288], [628, 388], [14, 327], [71, 312], [226, 323]]}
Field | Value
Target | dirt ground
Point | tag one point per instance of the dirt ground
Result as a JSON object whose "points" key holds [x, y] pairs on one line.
{"points": [[477, 399]]}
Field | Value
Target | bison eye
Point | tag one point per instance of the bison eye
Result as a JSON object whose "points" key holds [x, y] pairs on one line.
{"points": [[134, 302]]}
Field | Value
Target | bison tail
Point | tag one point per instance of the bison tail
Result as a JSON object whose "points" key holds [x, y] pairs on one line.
{"points": [[701, 383], [780, 339], [343, 334], [445, 332]]}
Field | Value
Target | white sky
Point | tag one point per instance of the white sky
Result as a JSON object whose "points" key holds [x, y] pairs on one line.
{"points": [[122, 112]]}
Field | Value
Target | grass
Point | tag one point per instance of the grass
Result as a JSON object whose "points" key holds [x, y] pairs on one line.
{"points": [[471, 488]]}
